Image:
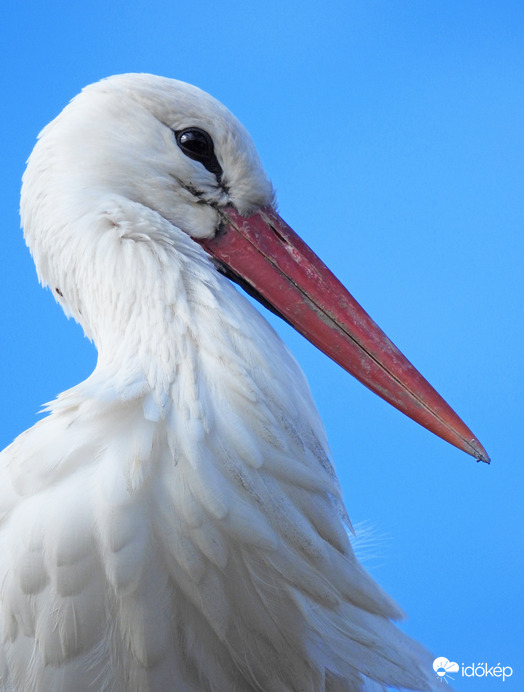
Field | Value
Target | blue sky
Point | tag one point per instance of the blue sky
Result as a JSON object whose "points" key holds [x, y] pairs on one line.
{"points": [[393, 132]]}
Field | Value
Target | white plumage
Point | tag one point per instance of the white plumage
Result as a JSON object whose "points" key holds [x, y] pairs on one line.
{"points": [[175, 522]]}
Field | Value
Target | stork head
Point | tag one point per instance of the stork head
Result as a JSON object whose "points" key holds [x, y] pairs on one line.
{"points": [[179, 153], [162, 143]]}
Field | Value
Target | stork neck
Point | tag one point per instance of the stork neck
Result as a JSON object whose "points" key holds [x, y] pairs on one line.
{"points": [[141, 299]]}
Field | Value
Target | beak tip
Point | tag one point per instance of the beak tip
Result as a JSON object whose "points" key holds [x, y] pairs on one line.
{"points": [[479, 452]]}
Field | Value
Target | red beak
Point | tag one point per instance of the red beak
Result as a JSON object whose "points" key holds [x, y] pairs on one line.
{"points": [[267, 257]]}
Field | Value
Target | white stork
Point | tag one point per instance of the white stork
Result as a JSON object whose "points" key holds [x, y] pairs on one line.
{"points": [[175, 523]]}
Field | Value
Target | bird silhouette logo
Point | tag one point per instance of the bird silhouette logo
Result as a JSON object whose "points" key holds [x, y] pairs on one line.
{"points": [[443, 667]]}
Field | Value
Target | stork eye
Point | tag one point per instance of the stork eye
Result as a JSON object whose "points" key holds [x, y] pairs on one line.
{"points": [[198, 145]]}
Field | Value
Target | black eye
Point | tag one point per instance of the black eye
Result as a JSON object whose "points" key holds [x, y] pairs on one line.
{"points": [[198, 145]]}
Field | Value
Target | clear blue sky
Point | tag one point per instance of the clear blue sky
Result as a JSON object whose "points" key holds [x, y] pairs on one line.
{"points": [[394, 133]]}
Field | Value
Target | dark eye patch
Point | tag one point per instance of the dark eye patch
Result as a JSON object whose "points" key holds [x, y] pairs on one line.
{"points": [[198, 145]]}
